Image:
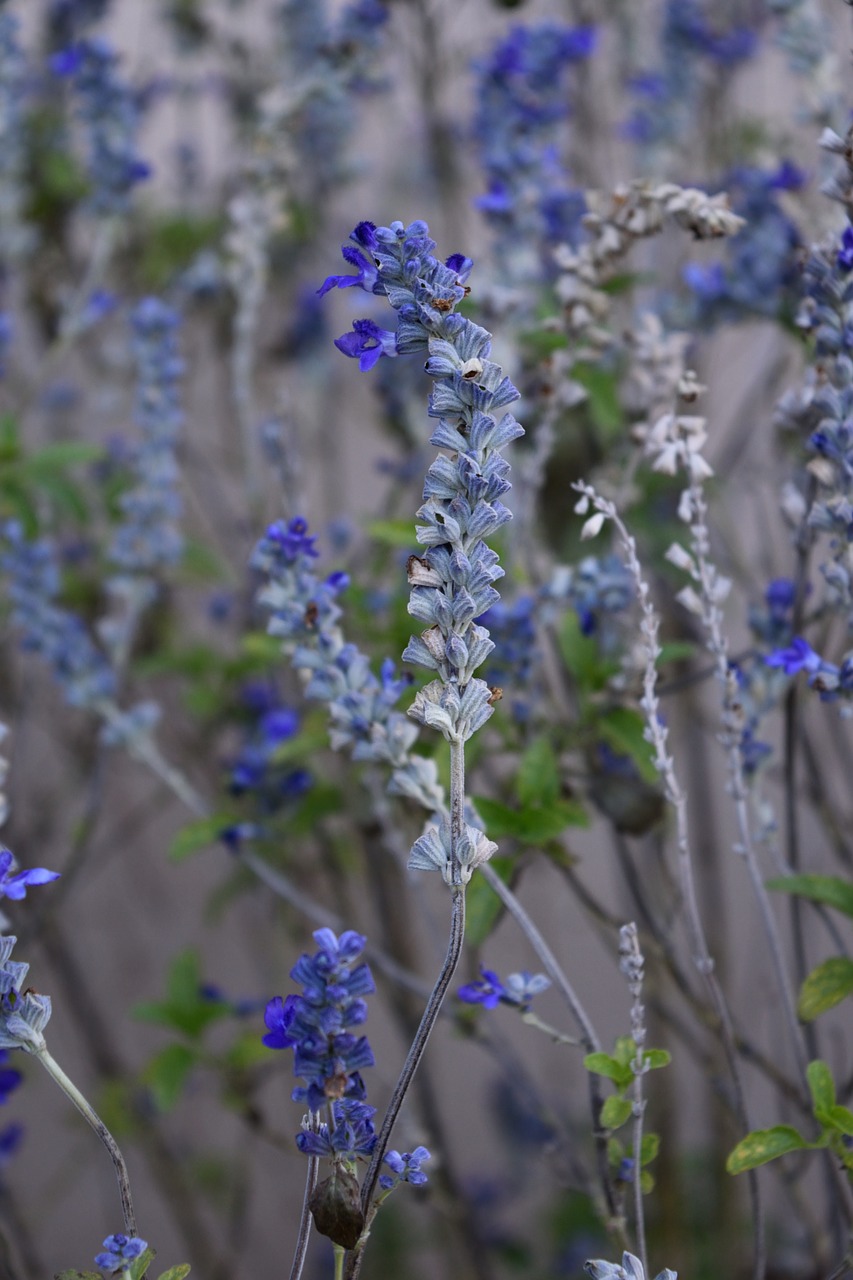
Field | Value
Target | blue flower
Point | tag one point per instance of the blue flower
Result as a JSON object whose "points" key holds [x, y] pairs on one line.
{"points": [[368, 343], [844, 258], [15, 886], [798, 656], [519, 989], [352, 1134], [367, 272], [405, 1168], [119, 1250]]}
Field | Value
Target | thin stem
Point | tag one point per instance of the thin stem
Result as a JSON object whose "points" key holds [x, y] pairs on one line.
{"points": [[90, 1115], [589, 1038], [657, 737], [304, 1233], [430, 1014], [639, 1213]]}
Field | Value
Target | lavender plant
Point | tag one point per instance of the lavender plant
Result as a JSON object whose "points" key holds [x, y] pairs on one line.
{"points": [[610, 728]]}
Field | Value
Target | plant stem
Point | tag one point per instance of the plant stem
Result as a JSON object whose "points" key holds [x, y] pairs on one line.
{"points": [[304, 1233], [90, 1115]]}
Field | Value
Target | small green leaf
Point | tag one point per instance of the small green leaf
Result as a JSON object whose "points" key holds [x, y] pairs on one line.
{"points": [[581, 655], [655, 1058], [530, 825], [830, 890], [166, 1074], [615, 1111], [544, 342], [198, 835], [483, 907], [764, 1145], [200, 563], [392, 533], [65, 453], [141, 1264], [185, 1009], [601, 1064], [675, 651], [601, 386], [821, 1085], [649, 1147], [538, 780], [622, 729], [825, 987], [647, 1182], [841, 1119], [176, 1273]]}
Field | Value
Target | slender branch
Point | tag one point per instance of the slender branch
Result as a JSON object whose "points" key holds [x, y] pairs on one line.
{"points": [[430, 1015], [305, 1219], [92, 1118]]}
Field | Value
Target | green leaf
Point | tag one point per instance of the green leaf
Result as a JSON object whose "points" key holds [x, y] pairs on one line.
{"points": [[532, 826], [544, 342], [655, 1058], [841, 1118], [538, 780], [166, 1074], [176, 1273], [198, 835], [601, 386], [65, 495], [764, 1145], [483, 907], [184, 1009], [821, 1085], [601, 1064], [141, 1264], [825, 987], [675, 651], [649, 1147], [392, 533], [581, 655], [202, 564], [616, 1111], [622, 729], [66, 453], [10, 445], [830, 890]]}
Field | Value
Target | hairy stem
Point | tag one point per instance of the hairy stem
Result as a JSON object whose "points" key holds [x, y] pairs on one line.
{"points": [[91, 1117]]}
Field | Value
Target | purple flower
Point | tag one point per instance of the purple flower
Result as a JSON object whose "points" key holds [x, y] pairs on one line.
{"points": [[844, 260], [278, 1016], [292, 540], [15, 886], [119, 1250], [367, 342], [489, 991], [316, 1024], [363, 261], [406, 1167], [799, 656]]}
